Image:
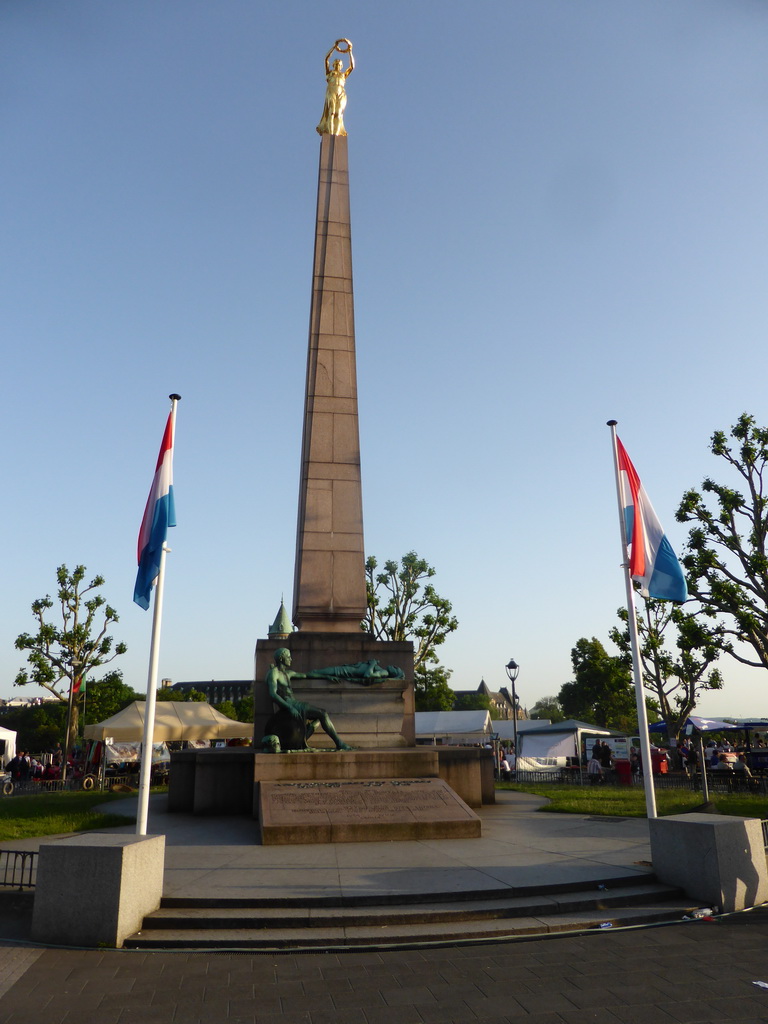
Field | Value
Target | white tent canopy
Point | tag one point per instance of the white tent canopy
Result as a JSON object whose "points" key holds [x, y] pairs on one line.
{"points": [[562, 739], [174, 720], [9, 738], [505, 728], [460, 726]]}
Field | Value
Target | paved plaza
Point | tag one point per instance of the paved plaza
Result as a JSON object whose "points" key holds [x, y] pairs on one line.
{"points": [[699, 971], [520, 846]]}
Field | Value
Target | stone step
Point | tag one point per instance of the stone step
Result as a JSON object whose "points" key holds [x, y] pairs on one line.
{"points": [[229, 917], [610, 883], [416, 933]]}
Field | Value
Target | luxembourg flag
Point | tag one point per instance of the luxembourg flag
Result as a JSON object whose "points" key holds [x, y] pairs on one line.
{"points": [[159, 514], [652, 561]]}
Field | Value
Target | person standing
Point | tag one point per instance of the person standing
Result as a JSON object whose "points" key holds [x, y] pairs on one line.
{"points": [[594, 771]]}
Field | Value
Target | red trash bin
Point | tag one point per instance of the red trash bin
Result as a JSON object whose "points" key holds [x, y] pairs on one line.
{"points": [[659, 764], [623, 772]]}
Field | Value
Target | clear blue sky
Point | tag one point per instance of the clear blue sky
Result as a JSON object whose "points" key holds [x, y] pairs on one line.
{"points": [[559, 217]]}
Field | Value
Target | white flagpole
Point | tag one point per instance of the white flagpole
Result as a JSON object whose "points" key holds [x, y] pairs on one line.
{"points": [[145, 777], [637, 673]]}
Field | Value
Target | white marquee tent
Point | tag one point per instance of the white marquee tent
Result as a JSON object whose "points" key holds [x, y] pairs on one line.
{"points": [[7, 746], [453, 726], [561, 739], [505, 728], [174, 720]]}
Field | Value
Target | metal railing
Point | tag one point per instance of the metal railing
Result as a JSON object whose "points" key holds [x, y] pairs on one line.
{"points": [[18, 869], [718, 782], [23, 787], [29, 787]]}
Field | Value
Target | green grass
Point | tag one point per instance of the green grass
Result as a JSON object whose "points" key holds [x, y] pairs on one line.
{"points": [[47, 814], [629, 802]]}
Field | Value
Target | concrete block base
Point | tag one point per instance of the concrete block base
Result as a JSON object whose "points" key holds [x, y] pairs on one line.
{"points": [[94, 890], [718, 860]]}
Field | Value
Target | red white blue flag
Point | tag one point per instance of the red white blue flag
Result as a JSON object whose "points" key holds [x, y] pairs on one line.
{"points": [[652, 562], [159, 514]]}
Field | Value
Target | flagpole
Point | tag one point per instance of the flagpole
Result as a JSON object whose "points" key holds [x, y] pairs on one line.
{"points": [[145, 777], [642, 716]]}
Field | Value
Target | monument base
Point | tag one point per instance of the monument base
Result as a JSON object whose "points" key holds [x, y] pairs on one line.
{"points": [[227, 781], [366, 810]]}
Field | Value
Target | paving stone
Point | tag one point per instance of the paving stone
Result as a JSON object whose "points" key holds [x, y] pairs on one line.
{"points": [[350, 1015], [243, 1007], [444, 991], [293, 1004], [299, 1017], [592, 997], [386, 1015], [503, 1004], [645, 1014], [364, 996], [542, 1018], [583, 1016], [737, 1006], [452, 1010], [534, 1002], [101, 1016], [137, 1014]]}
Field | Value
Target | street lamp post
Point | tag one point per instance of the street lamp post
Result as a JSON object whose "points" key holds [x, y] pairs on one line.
{"points": [[513, 670]]}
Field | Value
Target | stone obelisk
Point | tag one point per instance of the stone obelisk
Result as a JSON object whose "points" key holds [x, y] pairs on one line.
{"points": [[329, 584], [329, 597]]}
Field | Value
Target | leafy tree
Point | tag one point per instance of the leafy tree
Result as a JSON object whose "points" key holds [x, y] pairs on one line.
{"points": [[548, 707], [244, 708], [676, 678], [432, 690], [226, 707], [166, 693], [602, 692], [39, 726], [59, 654], [475, 702], [403, 606], [727, 558], [106, 697]]}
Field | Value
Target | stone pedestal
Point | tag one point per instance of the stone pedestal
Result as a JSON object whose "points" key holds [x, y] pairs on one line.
{"points": [[370, 717], [365, 810], [717, 859], [218, 781], [227, 781], [95, 890], [470, 772]]}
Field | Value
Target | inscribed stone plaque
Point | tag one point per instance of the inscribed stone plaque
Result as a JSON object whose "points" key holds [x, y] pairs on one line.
{"points": [[365, 810]]}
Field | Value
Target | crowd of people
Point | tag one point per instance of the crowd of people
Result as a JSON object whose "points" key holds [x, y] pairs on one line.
{"points": [[600, 762], [719, 757], [23, 767]]}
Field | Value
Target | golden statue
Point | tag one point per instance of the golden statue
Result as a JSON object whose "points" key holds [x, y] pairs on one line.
{"points": [[332, 121]]}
